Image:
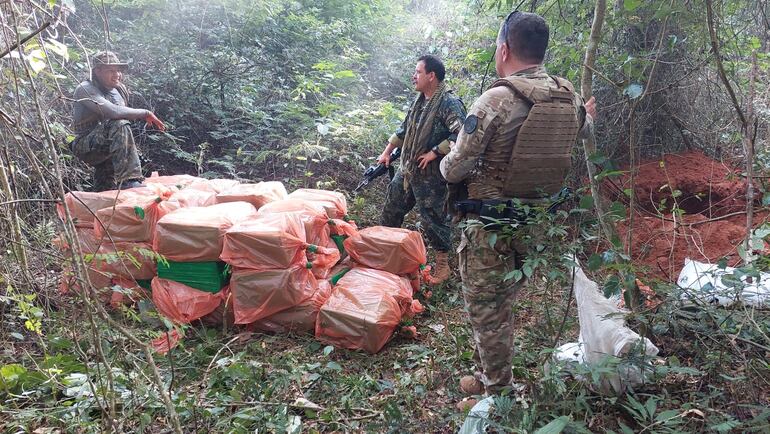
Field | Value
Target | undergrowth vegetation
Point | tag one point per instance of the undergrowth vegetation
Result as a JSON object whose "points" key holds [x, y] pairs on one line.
{"points": [[307, 92]]}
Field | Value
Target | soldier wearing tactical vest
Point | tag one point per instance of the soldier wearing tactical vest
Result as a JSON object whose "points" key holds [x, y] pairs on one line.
{"points": [[514, 147], [432, 123]]}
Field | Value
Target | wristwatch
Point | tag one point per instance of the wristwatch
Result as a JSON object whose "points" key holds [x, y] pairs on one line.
{"points": [[436, 151]]}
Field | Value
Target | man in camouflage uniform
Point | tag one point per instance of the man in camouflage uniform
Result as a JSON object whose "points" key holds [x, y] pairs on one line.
{"points": [[497, 165], [433, 121], [102, 124]]}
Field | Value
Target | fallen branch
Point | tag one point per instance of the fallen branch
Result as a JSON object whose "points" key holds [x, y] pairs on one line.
{"points": [[25, 39]]}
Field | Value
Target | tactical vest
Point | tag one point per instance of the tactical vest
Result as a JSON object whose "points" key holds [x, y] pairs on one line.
{"points": [[541, 156]]}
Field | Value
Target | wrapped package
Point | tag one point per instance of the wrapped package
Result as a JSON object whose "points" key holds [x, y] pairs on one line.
{"points": [[259, 294], [183, 304], [396, 250], [334, 202], [364, 318], [84, 205], [177, 181], [132, 220], [398, 287], [313, 215], [197, 234], [126, 260], [274, 241], [187, 198], [256, 194], [121, 259], [300, 318], [69, 282], [214, 185]]}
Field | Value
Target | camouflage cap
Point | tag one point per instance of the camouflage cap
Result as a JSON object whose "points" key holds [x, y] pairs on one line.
{"points": [[107, 58]]}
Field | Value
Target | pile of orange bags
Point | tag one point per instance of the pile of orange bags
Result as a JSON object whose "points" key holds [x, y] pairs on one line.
{"points": [[279, 246], [193, 235]]}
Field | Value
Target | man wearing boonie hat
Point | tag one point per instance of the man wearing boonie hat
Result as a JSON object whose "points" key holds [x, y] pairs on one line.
{"points": [[101, 122]]}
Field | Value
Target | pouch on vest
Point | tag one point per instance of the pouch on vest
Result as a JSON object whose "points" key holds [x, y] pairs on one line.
{"points": [[541, 156]]}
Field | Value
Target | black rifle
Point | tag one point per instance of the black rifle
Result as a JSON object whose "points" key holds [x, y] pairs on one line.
{"points": [[374, 172]]}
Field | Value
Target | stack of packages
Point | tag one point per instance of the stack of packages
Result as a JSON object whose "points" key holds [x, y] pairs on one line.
{"points": [[284, 252], [191, 281], [114, 231], [280, 261], [368, 302]]}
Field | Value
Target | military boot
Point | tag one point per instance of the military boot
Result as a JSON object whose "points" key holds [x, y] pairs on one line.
{"points": [[441, 271]]}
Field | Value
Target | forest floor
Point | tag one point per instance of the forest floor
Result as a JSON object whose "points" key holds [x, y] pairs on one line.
{"points": [[232, 380]]}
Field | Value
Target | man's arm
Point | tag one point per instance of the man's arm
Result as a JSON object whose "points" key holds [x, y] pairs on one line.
{"points": [[94, 101], [453, 116], [473, 138]]}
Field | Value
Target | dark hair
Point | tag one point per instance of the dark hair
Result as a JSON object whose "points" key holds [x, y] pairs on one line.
{"points": [[433, 64], [526, 35]]}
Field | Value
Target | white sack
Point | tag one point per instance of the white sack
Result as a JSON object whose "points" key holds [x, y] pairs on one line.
{"points": [[705, 282], [603, 333]]}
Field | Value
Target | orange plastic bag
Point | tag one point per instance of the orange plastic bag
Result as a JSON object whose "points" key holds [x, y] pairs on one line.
{"points": [[334, 202], [300, 318], [397, 287], [132, 220], [197, 234], [166, 342], [215, 185], [83, 205], [313, 215], [68, 282], [256, 194], [134, 261], [121, 259], [273, 241], [178, 181], [187, 198], [183, 304], [259, 294], [361, 319], [396, 250]]}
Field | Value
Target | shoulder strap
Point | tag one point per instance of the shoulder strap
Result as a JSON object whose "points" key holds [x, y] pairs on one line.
{"points": [[535, 92]]}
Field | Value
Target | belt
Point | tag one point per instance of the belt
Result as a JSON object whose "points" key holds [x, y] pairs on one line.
{"points": [[494, 212]]}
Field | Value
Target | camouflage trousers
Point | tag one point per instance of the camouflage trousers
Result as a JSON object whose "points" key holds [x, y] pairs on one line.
{"points": [[110, 148], [489, 300], [429, 194]]}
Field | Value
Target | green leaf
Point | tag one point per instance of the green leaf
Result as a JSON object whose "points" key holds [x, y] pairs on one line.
{"points": [[612, 287], [586, 202], [139, 211], [334, 366], [595, 262], [492, 239], [328, 350], [555, 426], [631, 5], [10, 374]]}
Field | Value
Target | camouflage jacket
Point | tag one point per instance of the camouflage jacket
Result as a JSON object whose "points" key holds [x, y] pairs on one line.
{"points": [[500, 113], [446, 125]]}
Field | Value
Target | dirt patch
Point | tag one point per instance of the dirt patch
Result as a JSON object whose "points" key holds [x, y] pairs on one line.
{"points": [[688, 206]]}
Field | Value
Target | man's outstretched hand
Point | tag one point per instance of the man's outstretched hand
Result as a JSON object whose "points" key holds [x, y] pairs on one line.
{"points": [[153, 120]]}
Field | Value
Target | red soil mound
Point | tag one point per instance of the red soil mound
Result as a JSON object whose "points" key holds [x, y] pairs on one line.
{"points": [[688, 206]]}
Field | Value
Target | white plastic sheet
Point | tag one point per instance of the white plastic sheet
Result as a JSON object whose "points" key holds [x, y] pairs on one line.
{"points": [[603, 334], [704, 284]]}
